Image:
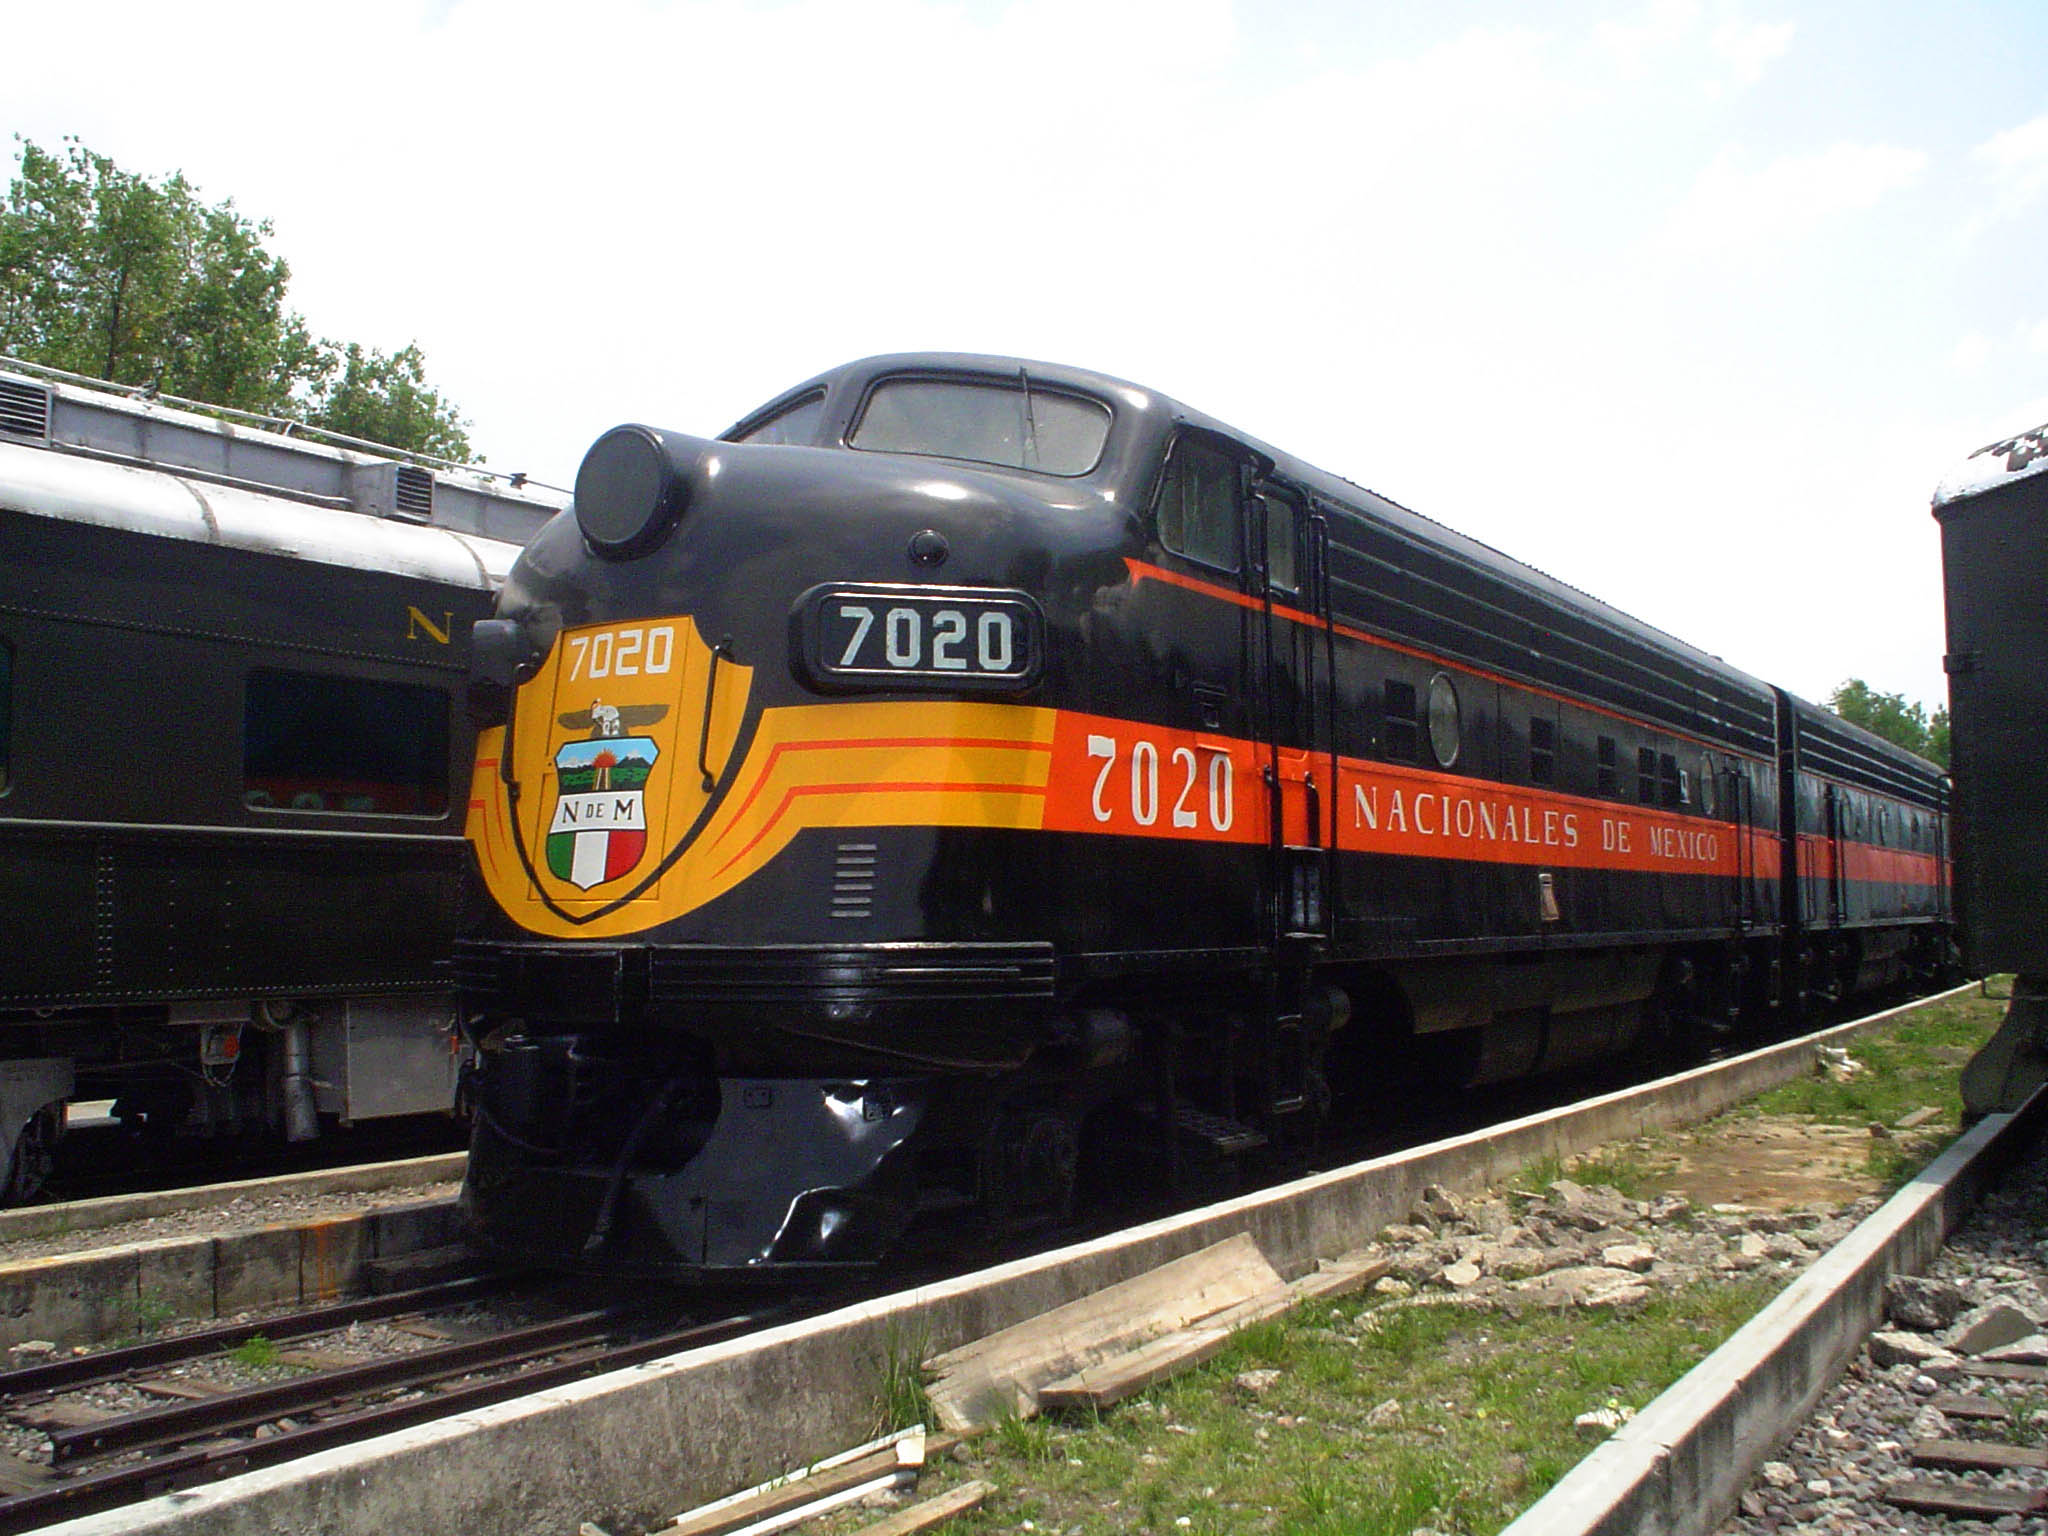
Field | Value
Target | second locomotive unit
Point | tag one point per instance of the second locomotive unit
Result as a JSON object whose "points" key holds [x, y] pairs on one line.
{"points": [[968, 778]]}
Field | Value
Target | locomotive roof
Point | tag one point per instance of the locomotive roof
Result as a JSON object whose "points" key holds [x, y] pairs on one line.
{"points": [[2019, 457], [92, 455], [1148, 418]]}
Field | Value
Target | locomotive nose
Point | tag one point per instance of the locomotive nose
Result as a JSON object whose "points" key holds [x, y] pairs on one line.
{"points": [[634, 486]]}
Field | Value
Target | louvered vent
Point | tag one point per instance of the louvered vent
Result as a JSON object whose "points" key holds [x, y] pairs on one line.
{"points": [[25, 409], [853, 880], [415, 493]]}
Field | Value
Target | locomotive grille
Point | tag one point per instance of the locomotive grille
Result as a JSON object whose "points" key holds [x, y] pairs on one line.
{"points": [[853, 880], [415, 498], [25, 409]]}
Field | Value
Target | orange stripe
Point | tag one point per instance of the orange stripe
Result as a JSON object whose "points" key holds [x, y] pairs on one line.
{"points": [[851, 743], [870, 787], [1142, 571]]}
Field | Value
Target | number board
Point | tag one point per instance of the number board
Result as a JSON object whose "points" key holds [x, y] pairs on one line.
{"points": [[945, 637]]}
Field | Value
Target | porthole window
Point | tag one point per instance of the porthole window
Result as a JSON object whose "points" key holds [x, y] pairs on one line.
{"points": [[1708, 791], [1444, 726]]}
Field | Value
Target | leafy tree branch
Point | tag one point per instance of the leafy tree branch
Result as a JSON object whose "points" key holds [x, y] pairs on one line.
{"points": [[139, 281]]}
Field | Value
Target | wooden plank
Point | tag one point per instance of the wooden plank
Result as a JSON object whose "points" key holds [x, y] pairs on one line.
{"points": [[784, 1496], [1978, 1456], [1999, 1370], [1113, 1380], [787, 1495], [18, 1475], [979, 1382], [924, 1515], [1335, 1277], [190, 1389], [63, 1415], [1957, 1406], [1917, 1118], [1969, 1503]]}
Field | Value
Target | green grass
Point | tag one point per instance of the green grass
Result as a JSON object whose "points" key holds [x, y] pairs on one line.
{"points": [[255, 1353], [1914, 1062], [900, 1399], [1487, 1398]]}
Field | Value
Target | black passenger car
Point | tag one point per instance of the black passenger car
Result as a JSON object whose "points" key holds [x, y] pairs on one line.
{"points": [[1993, 513], [233, 765]]}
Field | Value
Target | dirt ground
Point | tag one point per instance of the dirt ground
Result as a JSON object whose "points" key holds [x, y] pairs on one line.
{"points": [[1774, 1163]]}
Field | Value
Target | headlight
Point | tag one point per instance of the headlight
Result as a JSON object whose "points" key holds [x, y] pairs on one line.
{"points": [[633, 485]]}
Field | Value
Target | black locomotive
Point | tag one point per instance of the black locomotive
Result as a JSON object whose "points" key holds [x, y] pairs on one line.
{"points": [[1994, 544], [970, 777], [232, 766]]}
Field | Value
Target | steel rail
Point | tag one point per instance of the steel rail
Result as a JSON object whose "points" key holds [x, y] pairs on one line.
{"points": [[93, 1492], [84, 1370], [176, 1423]]}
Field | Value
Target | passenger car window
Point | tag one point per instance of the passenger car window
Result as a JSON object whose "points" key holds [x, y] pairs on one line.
{"points": [[1013, 425], [796, 423], [1198, 506], [320, 743]]}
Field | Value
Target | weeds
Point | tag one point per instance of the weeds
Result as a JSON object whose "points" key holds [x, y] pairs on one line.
{"points": [[900, 1399], [255, 1353]]}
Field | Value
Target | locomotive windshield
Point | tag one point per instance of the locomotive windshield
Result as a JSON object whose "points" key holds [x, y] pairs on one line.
{"points": [[1015, 425]]}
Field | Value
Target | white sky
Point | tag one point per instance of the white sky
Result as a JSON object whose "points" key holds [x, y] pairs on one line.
{"points": [[1689, 303]]}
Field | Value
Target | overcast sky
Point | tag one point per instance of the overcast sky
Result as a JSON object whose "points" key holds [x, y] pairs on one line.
{"points": [[1688, 303]]}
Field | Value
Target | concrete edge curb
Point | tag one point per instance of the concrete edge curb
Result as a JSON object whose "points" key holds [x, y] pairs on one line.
{"points": [[629, 1449], [1679, 1466], [35, 1221]]}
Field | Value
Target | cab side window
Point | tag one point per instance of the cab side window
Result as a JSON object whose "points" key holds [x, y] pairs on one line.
{"points": [[1198, 505]]}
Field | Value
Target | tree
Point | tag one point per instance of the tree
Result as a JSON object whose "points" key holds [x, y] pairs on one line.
{"points": [[1889, 715], [386, 400], [138, 281]]}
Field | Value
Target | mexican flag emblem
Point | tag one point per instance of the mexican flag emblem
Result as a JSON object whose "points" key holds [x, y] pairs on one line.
{"points": [[599, 829]]}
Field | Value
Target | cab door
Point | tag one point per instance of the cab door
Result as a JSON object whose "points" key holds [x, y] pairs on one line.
{"points": [[1287, 570]]}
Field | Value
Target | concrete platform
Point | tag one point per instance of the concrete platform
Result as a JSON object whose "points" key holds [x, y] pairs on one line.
{"points": [[629, 1449], [123, 1292], [67, 1216]]}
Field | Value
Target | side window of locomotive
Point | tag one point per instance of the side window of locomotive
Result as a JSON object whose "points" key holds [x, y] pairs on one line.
{"points": [[319, 743], [1404, 738], [1646, 776], [1609, 766], [1542, 750], [1198, 506], [1280, 545], [1011, 425], [1670, 783], [796, 423]]}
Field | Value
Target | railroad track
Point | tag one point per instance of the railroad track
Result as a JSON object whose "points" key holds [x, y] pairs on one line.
{"points": [[115, 1460], [102, 1462]]}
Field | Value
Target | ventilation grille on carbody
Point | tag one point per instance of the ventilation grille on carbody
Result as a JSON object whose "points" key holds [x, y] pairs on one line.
{"points": [[415, 493], [853, 880], [25, 409]]}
